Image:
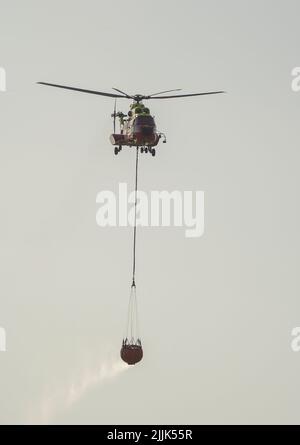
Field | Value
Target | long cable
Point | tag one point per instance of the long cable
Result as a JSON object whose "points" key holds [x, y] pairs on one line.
{"points": [[135, 204]]}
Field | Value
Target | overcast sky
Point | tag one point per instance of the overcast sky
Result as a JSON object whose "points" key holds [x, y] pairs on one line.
{"points": [[216, 312]]}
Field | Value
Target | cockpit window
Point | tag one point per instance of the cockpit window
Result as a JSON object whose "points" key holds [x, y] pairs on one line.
{"points": [[144, 120]]}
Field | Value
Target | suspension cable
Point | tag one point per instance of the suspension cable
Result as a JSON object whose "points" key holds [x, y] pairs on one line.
{"points": [[135, 204]]}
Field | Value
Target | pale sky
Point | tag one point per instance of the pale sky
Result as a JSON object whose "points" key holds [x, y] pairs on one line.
{"points": [[216, 312]]}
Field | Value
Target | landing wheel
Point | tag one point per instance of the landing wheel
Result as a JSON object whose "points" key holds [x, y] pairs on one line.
{"points": [[142, 149], [153, 152], [146, 150], [116, 150]]}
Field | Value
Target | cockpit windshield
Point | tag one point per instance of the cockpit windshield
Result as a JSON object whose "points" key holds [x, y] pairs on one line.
{"points": [[144, 120], [144, 125]]}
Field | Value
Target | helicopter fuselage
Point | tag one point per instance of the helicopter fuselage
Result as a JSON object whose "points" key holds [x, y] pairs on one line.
{"points": [[137, 129]]}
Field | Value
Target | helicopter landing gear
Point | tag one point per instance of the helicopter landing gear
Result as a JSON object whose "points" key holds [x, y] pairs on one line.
{"points": [[151, 150], [117, 149], [146, 149]]}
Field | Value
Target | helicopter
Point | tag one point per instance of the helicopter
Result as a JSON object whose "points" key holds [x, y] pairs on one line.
{"points": [[137, 127]]}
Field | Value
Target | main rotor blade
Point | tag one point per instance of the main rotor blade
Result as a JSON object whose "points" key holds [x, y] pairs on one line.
{"points": [[125, 94], [162, 92], [100, 93], [185, 95]]}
